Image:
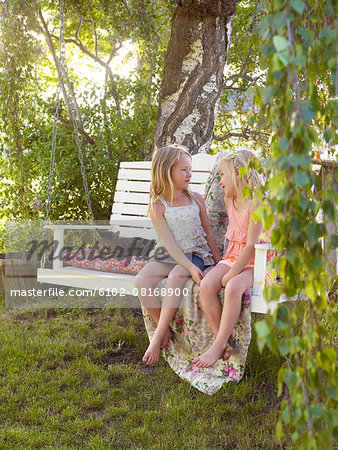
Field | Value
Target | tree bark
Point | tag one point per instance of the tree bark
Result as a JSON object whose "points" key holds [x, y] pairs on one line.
{"points": [[193, 73]]}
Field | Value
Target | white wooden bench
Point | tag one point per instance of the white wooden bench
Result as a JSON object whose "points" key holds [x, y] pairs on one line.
{"points": [[129, 216]]}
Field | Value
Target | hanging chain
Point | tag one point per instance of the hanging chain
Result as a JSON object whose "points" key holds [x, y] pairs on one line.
{"points": [[63, 70], [52, 155]]}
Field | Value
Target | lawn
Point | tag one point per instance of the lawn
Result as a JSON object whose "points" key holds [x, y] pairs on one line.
{"points": [[73, 379]]}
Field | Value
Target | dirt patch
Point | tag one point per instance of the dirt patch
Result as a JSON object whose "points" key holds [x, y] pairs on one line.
{"points": [[96, 413], [125, 355]]}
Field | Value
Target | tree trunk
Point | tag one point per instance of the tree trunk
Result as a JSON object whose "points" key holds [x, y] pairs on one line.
{"points": [[193, 73]]}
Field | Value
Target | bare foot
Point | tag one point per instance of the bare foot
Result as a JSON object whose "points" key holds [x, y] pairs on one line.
{"points": [[158, 342], [227, 352], [168, 335], [208, 358], [153, 351]]}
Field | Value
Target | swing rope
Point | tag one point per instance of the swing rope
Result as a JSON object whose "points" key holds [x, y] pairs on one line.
{"points": [[63, 73]]}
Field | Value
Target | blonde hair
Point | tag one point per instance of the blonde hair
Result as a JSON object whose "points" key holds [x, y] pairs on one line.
{"points": [[162, 162], [238, 160]]}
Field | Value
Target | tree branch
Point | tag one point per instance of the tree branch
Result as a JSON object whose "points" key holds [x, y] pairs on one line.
{"points": [[48, 38], [81, 130], [60, 69], [78, 28], [246, 133], [44, 30], [127, 7], [77, 41]]}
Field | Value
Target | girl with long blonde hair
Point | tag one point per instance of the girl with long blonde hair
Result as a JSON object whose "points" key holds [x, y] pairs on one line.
{"points": [[235, 271], [185, 242]]}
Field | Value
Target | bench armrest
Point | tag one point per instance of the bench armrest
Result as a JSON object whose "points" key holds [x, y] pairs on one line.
{"points": [[261, 251]]}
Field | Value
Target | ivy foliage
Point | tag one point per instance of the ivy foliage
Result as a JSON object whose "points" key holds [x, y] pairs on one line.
{"points": [[298, 105]]}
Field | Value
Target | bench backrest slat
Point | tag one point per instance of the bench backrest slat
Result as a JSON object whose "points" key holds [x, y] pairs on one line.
{"points": [[132, 194]]}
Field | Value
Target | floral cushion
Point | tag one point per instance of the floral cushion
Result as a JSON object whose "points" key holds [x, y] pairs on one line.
{"points": [[131, 265]]}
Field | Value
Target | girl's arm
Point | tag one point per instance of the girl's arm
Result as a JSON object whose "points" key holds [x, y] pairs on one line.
{"points": [[254, 231], [164, 233], [206, 226]]}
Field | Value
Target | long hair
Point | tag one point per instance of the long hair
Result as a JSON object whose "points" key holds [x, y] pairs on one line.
{"points": [[162, 162], [236, 161]]}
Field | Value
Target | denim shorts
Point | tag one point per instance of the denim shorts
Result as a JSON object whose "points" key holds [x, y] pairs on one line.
{"points": [[193, 258]]}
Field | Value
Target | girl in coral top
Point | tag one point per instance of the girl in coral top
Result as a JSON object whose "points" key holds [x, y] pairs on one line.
{"points": [[235, 271]]}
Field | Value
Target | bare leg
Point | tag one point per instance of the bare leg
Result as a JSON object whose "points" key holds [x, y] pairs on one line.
{"points": [[175, 283], [209, 289], [145, 280], [231, 310]]}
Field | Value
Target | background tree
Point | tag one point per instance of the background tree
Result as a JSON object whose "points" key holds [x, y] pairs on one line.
{"points": [[117, 114], [193, 73], [116, 118]]}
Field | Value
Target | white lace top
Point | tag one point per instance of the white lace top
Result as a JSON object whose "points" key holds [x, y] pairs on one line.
{"points": [[185, 224]]}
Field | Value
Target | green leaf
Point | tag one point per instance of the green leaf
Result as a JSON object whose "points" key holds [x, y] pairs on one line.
{"points": [[296, 226], [283, 143], [276, 181], [278, 74], [263, 331], [280, 43], [298, 6], [329, 11], [332, 392], [301, 60], [300, 160], [301, 178], [314, 232], [327, 32], [279, 20], [246, 192], [268, 94], [317, 410], [284, 347], [282, 313], [243, 171], [268, 221], [290, 378], [286, 415], [328, 135], [291, 254], [267, 49], [316, 261], [308, 110], [306, 35], [284, 57], [330, 211]]}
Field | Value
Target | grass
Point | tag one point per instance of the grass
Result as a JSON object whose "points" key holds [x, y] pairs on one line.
{"points": [[73, 379]]}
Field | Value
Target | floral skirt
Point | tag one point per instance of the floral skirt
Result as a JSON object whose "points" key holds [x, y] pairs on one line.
{"points": [[193, 336]]}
